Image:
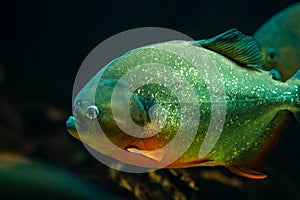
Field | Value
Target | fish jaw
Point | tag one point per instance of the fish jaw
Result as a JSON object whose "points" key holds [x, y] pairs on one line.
{"points": [[93, 140]]}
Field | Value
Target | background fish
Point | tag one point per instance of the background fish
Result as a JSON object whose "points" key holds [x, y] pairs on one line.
{"points": [[22, 178], [279, 38], [253, 98]]}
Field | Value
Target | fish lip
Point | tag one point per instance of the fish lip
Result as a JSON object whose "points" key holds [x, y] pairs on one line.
{"points": [[71, 123], [71, 127]]}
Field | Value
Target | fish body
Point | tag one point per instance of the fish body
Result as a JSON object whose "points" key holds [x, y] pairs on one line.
{"points": [[251, 98], [279, 38]]}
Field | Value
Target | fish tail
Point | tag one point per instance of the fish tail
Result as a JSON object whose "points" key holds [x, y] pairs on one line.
{"points": [[295, 81]]}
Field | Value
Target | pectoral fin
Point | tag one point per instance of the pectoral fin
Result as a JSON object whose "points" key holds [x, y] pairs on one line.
{"points": [[276, 74], [155, 155], [236, 46], [246, 172]]}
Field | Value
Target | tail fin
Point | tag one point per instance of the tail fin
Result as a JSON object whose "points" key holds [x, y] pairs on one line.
{"points": [[295, 79]]}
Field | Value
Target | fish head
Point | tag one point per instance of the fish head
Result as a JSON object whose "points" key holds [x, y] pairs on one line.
{"points": [[108, 115], [95, 123], [279, 38], [285, 59]]}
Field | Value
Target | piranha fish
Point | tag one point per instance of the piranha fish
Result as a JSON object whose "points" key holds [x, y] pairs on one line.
{"points": [[279, 38], [252, 98]]}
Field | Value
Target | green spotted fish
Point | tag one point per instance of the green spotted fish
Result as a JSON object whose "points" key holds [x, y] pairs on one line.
{"points": [[279, 38], [249, 104]]}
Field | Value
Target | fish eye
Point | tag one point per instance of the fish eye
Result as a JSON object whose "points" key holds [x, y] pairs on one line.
{"points": [[272, 55], [92, 112]]}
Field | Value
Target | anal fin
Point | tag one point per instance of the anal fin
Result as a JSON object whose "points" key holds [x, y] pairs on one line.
{"points": [[246, 172]]}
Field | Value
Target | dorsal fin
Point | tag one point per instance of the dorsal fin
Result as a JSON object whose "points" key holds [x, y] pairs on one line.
{"points": [[236, 46]]}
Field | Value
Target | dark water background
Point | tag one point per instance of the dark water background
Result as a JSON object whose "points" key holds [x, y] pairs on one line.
{"points": [[42, 44]]}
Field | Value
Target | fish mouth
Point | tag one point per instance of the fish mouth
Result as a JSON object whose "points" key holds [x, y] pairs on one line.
{"points": [[71, 128]]}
